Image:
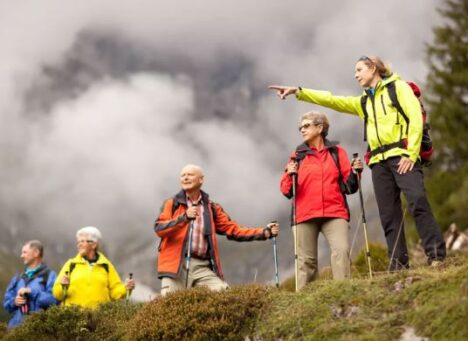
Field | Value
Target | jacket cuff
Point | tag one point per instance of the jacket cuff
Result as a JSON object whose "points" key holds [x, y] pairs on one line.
{"points": [[299, 92]]}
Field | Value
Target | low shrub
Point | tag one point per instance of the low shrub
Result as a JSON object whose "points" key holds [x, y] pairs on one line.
{"points": [[74, 323], [200, 314], [379, 260], [56, 323], [111, 320]]}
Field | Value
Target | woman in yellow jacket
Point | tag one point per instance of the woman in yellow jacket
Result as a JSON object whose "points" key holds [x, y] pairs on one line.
{"points": [[89, 278], [394, 161]]}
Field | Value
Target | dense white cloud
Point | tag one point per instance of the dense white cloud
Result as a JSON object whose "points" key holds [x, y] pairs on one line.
{"points": [[181, 82]]}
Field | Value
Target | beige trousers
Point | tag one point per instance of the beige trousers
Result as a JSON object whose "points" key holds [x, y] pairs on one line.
{"points": [[200, 274], [336, 233]]}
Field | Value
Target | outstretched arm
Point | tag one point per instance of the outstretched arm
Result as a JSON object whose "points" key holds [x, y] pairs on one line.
{"points": [[346, 104], [224, 225]]}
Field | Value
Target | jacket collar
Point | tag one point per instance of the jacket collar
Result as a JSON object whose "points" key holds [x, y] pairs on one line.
{"points": [[181, 197], [304, 147], [394, 77], [38, 273], [102, 259]]}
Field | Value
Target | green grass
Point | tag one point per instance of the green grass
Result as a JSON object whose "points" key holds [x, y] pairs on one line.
{"points": [[435, 304], [432, 302]]}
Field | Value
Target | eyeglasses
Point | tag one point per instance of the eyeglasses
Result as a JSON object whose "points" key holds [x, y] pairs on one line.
{"points": [[364, 58], [84, 241], [308, 125]]}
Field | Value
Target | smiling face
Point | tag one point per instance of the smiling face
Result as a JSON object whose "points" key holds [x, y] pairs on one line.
{"points": [[86, 247], [191, 178], [366, 75], [29, 255]]}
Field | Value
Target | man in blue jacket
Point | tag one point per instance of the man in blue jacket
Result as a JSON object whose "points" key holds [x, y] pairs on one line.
{"points": [[32, 289]]}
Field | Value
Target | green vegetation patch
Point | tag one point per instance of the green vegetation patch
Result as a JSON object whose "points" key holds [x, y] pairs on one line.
{"points": [[432, 301], [73, 323], [200, 314]]}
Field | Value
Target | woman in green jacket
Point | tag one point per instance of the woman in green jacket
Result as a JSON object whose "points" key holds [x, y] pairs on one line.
{"points": [[394, 160]]}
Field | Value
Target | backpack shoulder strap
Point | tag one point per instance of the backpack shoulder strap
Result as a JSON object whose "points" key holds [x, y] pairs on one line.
{"points": [[343, 187], [71, 268], [391, 88], [335, 157], [45, 277], [301, 151], [175, 205], [366, 115]]}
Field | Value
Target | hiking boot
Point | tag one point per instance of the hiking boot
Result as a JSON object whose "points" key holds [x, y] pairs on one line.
{"points": [[437, 264]]}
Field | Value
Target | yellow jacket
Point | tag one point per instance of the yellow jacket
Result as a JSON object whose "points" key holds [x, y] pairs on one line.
{"points": [[90, 285], [384, 124]]}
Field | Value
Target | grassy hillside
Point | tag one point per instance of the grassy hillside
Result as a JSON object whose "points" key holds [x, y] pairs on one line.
{"points": [[425, 301]]}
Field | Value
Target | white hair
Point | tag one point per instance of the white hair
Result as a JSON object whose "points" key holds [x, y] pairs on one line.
{"points": [[194, 167], [91, 232]]}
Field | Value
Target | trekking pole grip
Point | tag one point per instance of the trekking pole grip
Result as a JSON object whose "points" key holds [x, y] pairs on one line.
{"points": [[356, 156]]}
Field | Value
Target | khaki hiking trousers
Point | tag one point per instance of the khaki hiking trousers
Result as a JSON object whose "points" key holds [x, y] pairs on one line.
{"points": [[335, 231], [200, 274]]}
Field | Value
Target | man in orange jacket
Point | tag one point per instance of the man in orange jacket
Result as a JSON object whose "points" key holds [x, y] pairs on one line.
{"points": [[190, 216]]}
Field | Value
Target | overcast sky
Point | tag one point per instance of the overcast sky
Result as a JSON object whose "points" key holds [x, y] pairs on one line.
{"points": [[103, 102]]}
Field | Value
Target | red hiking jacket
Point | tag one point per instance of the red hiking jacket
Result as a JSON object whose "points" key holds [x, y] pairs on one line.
{"points": [[318, 192]]}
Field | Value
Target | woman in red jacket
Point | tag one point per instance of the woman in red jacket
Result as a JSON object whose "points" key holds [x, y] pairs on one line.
{"points": [[324, 177]]}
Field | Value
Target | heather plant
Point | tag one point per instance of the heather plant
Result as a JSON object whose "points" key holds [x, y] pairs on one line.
{"points": [[200, 314], [74, 323]]}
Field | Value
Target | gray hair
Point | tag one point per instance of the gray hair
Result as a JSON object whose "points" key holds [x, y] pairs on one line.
{"points": [[36, 244], [317, 118], [91, 232]]}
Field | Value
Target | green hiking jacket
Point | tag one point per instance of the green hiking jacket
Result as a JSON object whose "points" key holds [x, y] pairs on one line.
{"points": [[384, 124]]}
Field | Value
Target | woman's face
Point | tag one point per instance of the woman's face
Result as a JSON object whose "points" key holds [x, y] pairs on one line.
{"points": [[364, 74], [85, 246], [309, 130]]}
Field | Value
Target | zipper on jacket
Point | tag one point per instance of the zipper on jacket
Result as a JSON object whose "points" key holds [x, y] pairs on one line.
{"points": [[383, 105], [375, 122]]}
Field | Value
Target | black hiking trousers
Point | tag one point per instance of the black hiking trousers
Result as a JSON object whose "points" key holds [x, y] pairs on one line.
{"points": [[388, 185]]}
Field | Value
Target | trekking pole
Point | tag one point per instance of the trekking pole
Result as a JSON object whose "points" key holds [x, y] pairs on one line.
{"points": [[396, 243], [293, 218], [189, 247], [24, 308], [355, 156], [275, 257], [129, 291], [65, 288]]}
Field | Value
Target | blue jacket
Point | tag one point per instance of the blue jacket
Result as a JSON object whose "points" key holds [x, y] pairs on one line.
{"points": [[41, 293]]}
